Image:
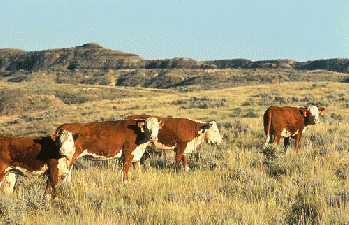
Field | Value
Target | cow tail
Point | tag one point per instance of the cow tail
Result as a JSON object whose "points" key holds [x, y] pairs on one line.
{"points": [[267, 124]]}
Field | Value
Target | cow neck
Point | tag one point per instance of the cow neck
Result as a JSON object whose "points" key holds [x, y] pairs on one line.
{"points": [[305, 118], [202, 132], [141, 138]]}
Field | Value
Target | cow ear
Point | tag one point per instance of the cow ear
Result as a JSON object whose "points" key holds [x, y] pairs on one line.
{"points": [[141, 126], [54, 137], [161, 124], [321, 111], [305, 113]]}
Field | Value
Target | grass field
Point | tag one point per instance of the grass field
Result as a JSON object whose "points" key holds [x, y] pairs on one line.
{"points": [[234, 183]]}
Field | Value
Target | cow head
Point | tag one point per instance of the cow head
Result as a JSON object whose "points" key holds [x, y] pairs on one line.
{"points": [[313, 114], [65, 143], [212, 133], [151, 127]]}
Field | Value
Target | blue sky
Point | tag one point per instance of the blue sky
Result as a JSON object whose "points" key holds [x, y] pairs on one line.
{"points": [[300, 30]]}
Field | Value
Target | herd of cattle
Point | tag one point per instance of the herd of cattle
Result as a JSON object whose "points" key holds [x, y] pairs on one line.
{"points": [[129, 139]]}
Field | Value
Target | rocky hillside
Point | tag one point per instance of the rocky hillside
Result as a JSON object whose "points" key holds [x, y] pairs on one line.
{"points": [[93, 64], [93, 56], [88, 56], [339, 65]]}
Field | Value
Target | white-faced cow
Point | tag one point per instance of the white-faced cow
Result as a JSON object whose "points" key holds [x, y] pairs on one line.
{"points": [[109, 139], [184, 135], [289, 122], [30, 155]]}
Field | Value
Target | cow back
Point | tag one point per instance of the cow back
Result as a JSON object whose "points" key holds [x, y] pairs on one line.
{"points": [[104, 138], [175, 130]]}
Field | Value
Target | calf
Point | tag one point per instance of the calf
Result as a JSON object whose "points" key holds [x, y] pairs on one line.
{"points": [[289, 122], [30, 155], [106, 140], [183, 136]]}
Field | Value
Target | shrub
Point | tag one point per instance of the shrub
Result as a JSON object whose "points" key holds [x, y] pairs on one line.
{"points": [[236, 127], [272, 151], [295, 98], [201, 103], [303, 211], [251, 114], [70, 98], [236, 112], [337, 117]]}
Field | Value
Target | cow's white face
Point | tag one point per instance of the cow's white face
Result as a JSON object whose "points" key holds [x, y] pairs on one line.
{"points": [[151, 127], [212, 134], [65, 143], [313, 114]]}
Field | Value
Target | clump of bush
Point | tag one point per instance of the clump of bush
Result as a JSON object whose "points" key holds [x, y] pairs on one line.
{"points": [[272, 151], [303, 211], [69, 98], [268, 99], [251, 114], [338, 117], [237, 128], [201, 103]]}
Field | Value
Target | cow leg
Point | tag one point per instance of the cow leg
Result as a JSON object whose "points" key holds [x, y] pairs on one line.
{"points": [[267, 139], [52, 180], [277, 138], [297, 140], [185, 161], [286, 142], [137, 165], [3, 167], [127, 165], [179, 156]]}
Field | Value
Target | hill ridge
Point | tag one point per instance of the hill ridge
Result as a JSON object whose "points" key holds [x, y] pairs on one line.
{"points": [[93, 56]]}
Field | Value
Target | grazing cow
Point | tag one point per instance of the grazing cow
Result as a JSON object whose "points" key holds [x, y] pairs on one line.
{"points": [[289, 122], [30, 155], [106, 140], [183, 136]]}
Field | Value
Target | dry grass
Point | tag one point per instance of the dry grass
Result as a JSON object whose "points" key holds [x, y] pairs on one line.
{"points": [[234, 183]]}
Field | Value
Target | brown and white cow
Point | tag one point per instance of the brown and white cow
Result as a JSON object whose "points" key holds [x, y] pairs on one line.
{"points": [[30, 155], [183, 136], [106, 140], [289, 122]]}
